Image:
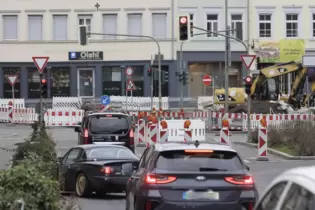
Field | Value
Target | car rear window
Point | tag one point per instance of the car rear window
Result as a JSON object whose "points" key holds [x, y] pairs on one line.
{"points": [[109, 124], [182, 161], [108, 153]]}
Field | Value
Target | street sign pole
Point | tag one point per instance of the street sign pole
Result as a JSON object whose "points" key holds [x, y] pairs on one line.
{"points": [[40, 63], [248, 61]]}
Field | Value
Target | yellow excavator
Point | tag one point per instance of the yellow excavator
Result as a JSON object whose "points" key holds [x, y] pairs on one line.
{"points": [[265, 91]]}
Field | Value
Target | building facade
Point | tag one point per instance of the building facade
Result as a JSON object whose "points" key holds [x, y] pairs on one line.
{"points": [[276, 22], [205, 53], [51, 28]]}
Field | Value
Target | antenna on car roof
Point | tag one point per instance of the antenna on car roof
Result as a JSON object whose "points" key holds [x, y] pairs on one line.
{"points": [[196, 144]]}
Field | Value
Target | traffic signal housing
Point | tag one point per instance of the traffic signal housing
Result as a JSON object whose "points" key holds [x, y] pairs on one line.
{"points": [[83, 35], [149, 72], [184, 27], [181, 76], [43, 87], [185, 78], [248, 84], [164, 77]]}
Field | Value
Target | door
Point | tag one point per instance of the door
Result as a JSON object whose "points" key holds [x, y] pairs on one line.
{"points": [[86, 82]]}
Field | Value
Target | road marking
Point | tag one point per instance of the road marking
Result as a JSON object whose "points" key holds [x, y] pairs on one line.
{"points": [[246, 161]]}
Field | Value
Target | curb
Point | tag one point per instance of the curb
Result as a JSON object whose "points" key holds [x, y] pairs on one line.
{"points": [[276, 152]]}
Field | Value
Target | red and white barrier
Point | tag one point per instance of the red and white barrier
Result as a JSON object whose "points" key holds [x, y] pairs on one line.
{"points": [[187, 135], [148, 134], [141, 131], [153, 133], [10, 112], [62, 117], [163, 137], [224, 136], [262, 144]]}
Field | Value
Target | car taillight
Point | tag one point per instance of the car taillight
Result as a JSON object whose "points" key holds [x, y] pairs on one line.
{"points": [[240, 180], [107, 170], [159, 179], [131, 136], [86, 133]]}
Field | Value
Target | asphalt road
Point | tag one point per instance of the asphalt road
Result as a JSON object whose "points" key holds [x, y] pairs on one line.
{"points": [[263, 172]]}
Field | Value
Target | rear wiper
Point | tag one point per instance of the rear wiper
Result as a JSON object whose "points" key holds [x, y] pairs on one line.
{"points": [[211, 169]]}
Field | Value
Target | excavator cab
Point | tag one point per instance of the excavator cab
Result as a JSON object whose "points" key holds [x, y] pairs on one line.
{"points": [[265, 89]]}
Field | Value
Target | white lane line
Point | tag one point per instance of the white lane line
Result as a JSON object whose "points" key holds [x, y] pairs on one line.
{"points": [[246, 161]]}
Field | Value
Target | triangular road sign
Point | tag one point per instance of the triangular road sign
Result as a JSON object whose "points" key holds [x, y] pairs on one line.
{"points": [[40, 63], [248, 60], [130, 85], [12, 79]]}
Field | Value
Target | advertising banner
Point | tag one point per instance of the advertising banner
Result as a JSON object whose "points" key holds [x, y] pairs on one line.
{"points": [[291, 50]]}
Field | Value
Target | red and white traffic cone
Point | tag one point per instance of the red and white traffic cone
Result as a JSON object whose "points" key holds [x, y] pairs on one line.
{"points": [[262, 141]]}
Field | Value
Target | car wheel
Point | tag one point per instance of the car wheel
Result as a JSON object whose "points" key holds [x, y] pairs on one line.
{"points": [[82, 186]]}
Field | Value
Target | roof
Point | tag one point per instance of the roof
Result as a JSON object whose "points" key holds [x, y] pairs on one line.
{"points": [[89, 146], [169, 146]]}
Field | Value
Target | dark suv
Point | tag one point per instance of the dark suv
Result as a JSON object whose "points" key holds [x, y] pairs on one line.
{"points": [[106, 127]]}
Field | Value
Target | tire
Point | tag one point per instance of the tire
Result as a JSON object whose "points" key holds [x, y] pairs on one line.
{"points": [[82, 186]]}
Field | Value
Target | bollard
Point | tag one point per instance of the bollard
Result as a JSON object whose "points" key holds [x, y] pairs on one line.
{"points": [[163, 132], [187, 131], [224, 133], [262, 141], [141, 131], [10, 112]]}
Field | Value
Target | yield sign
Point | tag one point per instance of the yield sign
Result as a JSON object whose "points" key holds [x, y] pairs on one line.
{"points": [[40, 63], [130, 85], [248, 60], [12, 79]]}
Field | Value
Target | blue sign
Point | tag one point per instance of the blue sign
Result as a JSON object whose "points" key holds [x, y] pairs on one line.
{"points": [[73, 55], [105, 100]]}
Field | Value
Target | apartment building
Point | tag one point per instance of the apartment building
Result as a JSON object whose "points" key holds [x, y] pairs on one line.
{"points": [[276, 22], [205, 53], [50, 28]]}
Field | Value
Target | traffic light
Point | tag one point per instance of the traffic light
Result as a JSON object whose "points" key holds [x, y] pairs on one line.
{"points": [[184, 27], [43, 87], [83, 35], [248, 84], [164, 77], [149, 72], [181, 76], [185, 78]]}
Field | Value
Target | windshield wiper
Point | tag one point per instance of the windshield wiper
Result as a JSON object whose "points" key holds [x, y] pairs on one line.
{"points": [[211, 169]]}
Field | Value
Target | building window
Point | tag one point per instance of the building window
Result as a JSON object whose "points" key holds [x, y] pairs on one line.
{"points": [[212, 24], [134, 25], [7, 88], [86, 20], [159, 25], [10, 26], [113, 83], [60, 27], [191, 17], [237, 26], [60, 81], [33, 82], [313, 26], [35, 27], [110, 25], [292, 21], [265, 25]]}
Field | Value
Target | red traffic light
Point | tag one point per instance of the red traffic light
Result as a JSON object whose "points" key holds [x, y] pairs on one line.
{"points": [[43, 81], [248, 79], [149, 70], [183, 20]]}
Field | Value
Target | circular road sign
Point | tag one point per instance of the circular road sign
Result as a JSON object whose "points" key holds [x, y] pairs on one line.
{"points": [[129, 71], [248, 79], [206, 79]]}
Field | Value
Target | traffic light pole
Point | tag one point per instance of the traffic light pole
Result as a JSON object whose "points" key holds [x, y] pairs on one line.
{"points": [[181, 71], [40, 117], [159, 56], [247, 50]]}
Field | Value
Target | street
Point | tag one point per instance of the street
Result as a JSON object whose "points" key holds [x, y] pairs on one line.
{"points": [[263, 172]]}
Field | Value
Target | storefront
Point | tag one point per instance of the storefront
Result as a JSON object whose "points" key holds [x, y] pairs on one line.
{"points": [[90, 77]]}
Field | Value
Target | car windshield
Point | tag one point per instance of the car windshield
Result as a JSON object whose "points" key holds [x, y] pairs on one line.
{"points": [[109, 124], [181, 160], [100, 153]]}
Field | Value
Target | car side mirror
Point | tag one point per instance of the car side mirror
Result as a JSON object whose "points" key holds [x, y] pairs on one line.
{"points": [[247, 167], [77, 129], [60, 159], [135, 166]]}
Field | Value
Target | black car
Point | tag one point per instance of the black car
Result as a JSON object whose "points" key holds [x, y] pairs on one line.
{"points": [[106, 127], [96, 168], [199, 176]]}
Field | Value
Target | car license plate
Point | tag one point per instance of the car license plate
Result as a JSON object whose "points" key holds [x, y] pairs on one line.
{"points": [[193, 195]]}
